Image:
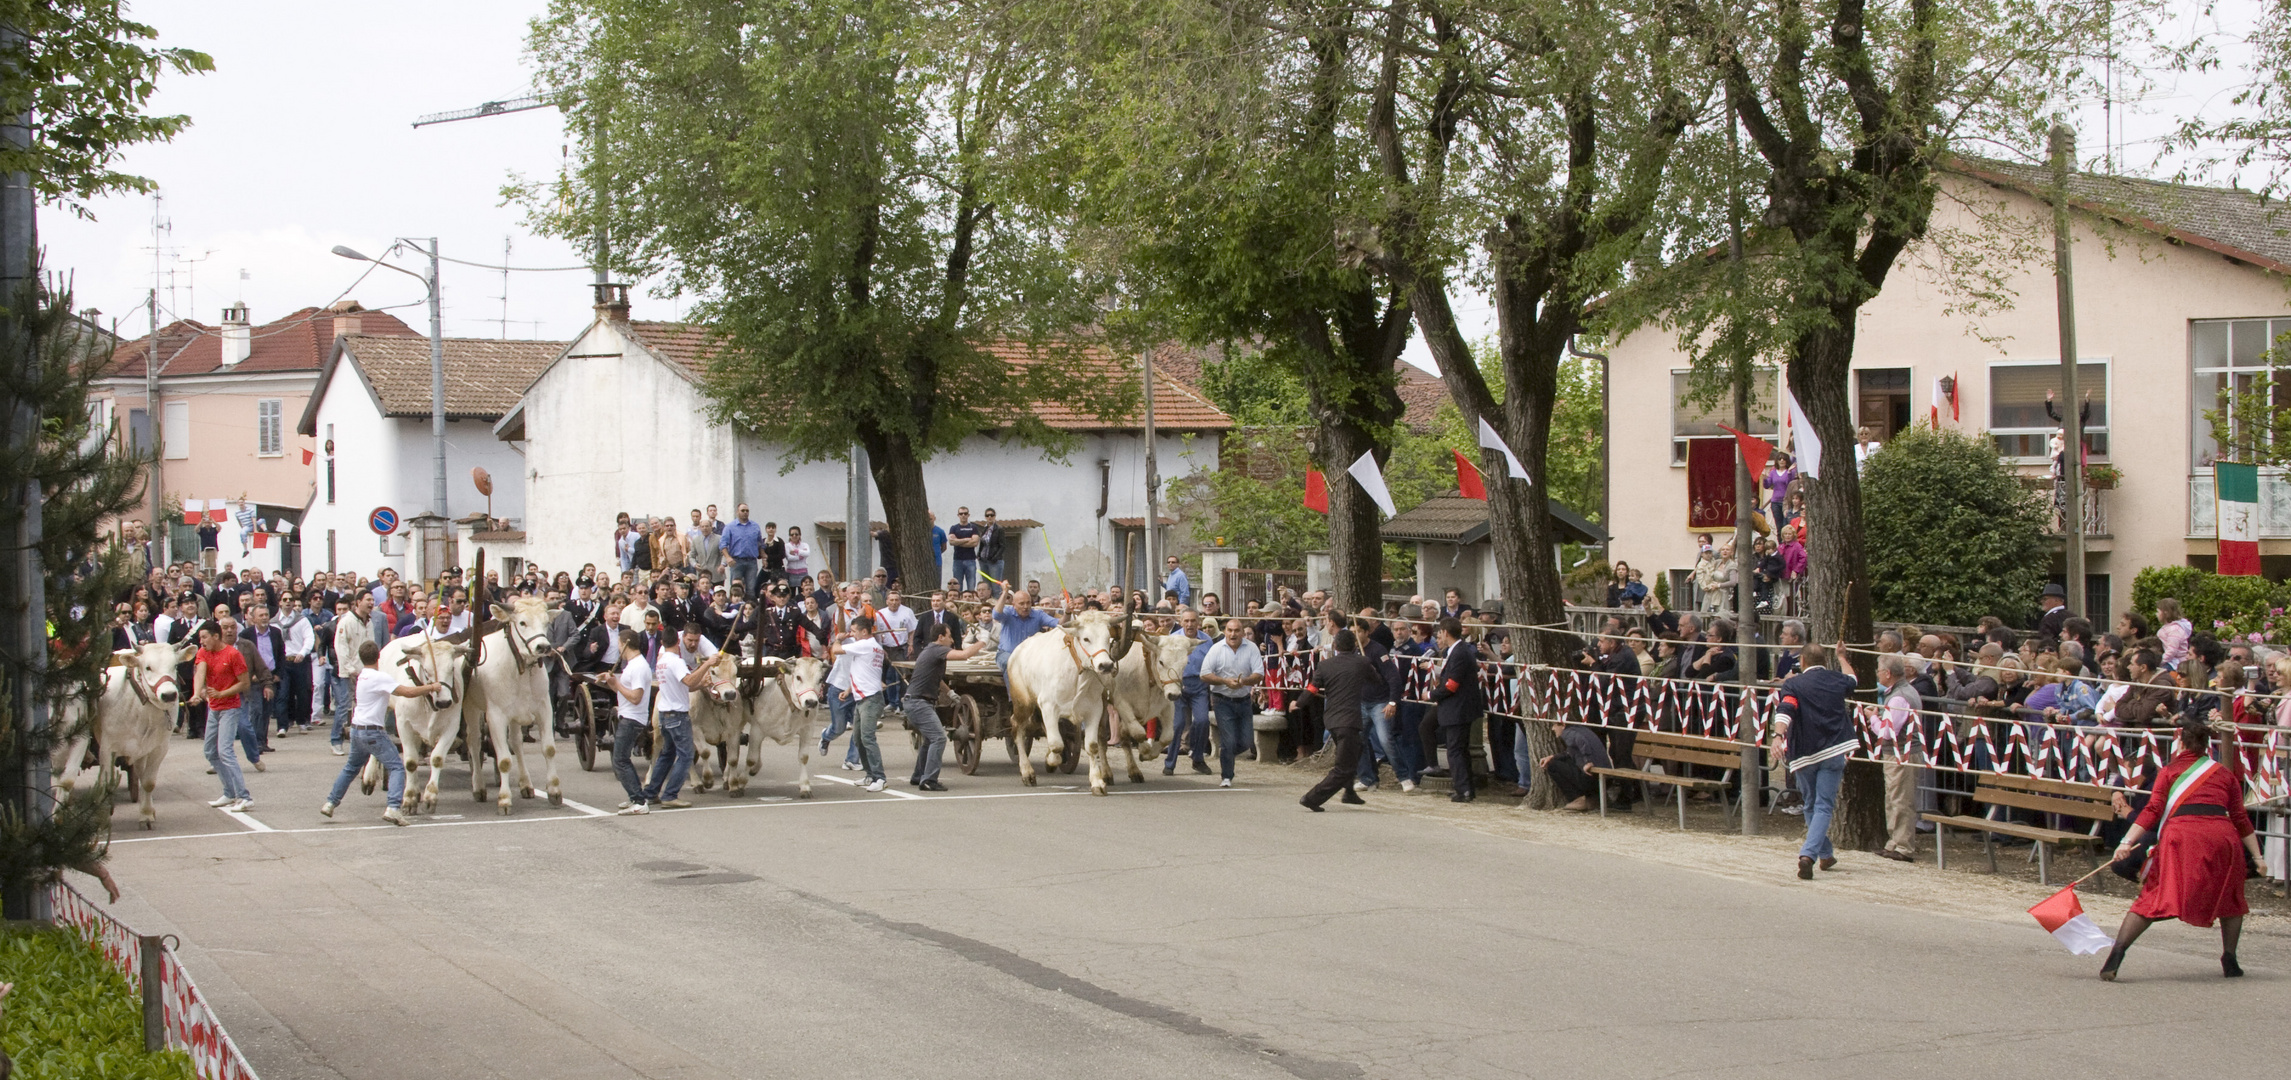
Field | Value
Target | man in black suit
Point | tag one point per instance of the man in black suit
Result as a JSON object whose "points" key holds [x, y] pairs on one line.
{"points": [[1456, 690], [928, 621]]}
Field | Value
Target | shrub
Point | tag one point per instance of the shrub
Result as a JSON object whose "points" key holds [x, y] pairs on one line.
{"points": [[2250, 608], [72, 1015], [1951, 532]]}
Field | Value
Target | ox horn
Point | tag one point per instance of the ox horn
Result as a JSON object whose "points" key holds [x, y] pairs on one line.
{"points": [[1122, 637]]}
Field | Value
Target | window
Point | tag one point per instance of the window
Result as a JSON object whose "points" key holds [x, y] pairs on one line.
{"points": [[138, 432], [330, 474], [2229, 357], [270, 440], [175, 429], [1694, 419], [2017, 418]]}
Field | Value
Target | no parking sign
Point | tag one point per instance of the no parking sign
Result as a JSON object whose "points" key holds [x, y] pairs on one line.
{"points": [[383, 521]]}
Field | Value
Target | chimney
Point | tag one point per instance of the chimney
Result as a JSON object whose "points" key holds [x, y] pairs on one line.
{"points": [[346, 317], [612, 300], [238, 335]]}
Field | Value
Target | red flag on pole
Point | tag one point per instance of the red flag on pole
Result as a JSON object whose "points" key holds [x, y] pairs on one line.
{"points": [[1468, 478], [306, 456], [262, 540], [1756, 452], [1316, 491]]}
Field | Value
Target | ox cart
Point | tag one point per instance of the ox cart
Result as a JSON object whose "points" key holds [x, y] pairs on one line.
{"points": [[974, 706]]}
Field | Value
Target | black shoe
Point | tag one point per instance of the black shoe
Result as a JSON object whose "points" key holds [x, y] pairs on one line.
{"points": [[1441, 773], [1805, 868], [2115, 960], [1169, 770], [1352, 799], [932, 785], [1312, 806], [1462, 796], [2229, 968], [1201, 766]]}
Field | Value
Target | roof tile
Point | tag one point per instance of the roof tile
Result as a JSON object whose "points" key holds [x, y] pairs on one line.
{"points": [[299, 342], [484, 377]]}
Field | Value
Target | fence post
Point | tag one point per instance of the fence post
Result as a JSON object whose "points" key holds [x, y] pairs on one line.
{"points": [[152, 952]]}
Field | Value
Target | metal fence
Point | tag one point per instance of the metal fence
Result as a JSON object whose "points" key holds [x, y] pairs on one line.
{"points": [[174, 1013]]}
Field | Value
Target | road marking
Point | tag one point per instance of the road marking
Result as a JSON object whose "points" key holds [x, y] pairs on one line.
{"points": [[887, 790], [761, 802], [586, 809], [246, 819]]}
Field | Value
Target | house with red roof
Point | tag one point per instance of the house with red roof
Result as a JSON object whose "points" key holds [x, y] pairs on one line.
{"points": [[619, 422], [228, 396]]}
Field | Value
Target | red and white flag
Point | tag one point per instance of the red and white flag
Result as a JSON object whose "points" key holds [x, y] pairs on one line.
{"points": [[2063, 917]]}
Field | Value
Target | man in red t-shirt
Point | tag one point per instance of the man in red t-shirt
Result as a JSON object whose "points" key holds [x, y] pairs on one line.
{"points": [[219, 676]]}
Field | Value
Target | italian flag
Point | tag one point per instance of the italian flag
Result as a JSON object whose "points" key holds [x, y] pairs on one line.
{"points": [[2237, 517], [2064, 918]]}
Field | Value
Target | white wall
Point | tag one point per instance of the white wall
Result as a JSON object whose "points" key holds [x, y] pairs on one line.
{"points": [[368, 472], [606, 434]]}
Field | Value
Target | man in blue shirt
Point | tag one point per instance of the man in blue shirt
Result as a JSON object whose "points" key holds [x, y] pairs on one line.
{"points": [[1019, 621], [1176, 584], [964, 539], [938, 553], [1192, 713], [744, 544]]}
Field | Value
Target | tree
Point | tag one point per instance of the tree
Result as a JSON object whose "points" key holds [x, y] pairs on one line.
{"points": [[1954, 535], [855, 192], [1221, 155], [75, 76]]}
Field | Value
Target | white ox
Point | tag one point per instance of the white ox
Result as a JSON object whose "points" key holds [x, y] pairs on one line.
{"points": [[1147, 687], [1066, 674], [789, 707], [425, 724], [719, 718], [133, 717], [509, 693]]}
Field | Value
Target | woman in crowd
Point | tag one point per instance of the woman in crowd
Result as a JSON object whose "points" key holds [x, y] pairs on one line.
{"points": [[2175, 631], [1776, 482], [799, 554], [1623, 591], [2195, 870]]}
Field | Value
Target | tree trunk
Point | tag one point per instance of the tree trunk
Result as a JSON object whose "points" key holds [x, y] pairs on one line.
{"points": [[898, 475], [1355, 535], [1837, 573]]}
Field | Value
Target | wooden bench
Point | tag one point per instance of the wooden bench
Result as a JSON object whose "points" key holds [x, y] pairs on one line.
{"points": [[2063, 797], [1678, 750]]}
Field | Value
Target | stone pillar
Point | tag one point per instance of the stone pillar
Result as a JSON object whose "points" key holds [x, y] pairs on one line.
{"points": [[1214, 562], [1316, 570]]}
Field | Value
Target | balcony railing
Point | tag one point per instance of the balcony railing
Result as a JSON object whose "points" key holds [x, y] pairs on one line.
{"points": [[2274, 505], [2095, 507]]}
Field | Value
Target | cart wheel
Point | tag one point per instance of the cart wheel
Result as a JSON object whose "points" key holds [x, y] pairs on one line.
{"points": [[963, 734], [1073, 756], [585, 730]]}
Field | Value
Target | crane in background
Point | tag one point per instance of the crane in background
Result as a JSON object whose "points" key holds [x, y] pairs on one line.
{"points": [[528, 103]]}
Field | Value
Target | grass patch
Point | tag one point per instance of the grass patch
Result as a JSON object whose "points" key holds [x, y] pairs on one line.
{"points": [[72, 1016]]}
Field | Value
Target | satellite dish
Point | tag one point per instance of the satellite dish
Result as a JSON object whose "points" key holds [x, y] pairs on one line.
{"points": [[483, 481]]}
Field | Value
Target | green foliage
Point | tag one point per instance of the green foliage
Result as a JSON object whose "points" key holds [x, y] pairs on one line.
{"points": [[1662, 589], [72, 1016], [2238, 606], [83, 484], [1256, 392], [1259, 510], [1953, 534], [85, 75]]}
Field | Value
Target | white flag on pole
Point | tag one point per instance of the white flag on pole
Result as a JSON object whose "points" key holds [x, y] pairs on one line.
{"points": [[1372, 481], [1492, 441], [1807, 444]]}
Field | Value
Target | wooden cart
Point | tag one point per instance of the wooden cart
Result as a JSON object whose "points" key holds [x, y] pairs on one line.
{"points": [[974, 706]]}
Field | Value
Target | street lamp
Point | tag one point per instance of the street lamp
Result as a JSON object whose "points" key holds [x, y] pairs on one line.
{"points": [[437, 361]]}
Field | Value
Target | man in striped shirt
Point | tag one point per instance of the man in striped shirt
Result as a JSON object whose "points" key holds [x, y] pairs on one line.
{"points": [[1815, 733]]}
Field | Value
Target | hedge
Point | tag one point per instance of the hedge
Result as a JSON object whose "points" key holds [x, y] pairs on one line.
{"points": [[2235, 606], [72, 1016]]}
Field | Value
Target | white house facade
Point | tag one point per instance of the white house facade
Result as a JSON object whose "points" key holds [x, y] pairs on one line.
{"points": [[370, 418], [619, 423]]}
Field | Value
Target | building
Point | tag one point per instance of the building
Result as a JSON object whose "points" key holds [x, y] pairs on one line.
{"points": [[2180, 292], [1453, 550], [369, 420], [619, 422], [226, 396]]}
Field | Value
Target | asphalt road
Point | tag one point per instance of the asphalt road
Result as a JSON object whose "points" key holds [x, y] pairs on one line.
{"points": [[1170, 930]]}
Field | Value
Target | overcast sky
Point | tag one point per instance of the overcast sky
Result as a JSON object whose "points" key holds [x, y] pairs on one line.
{"points": [[302, 139]]}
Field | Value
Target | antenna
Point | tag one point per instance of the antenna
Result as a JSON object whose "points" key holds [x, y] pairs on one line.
{"points": [[504, 296]]}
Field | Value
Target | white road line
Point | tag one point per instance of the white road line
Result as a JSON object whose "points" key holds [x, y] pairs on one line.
{"points": [[757, 803], [246, 819], [586, 809], [862, 783]]}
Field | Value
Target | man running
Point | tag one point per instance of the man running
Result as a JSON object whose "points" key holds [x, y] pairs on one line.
{"points": [[370, 739]]}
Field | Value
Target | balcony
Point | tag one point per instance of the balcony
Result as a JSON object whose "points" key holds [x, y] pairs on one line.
{"points": [[2095, 507], [2274, 506]]}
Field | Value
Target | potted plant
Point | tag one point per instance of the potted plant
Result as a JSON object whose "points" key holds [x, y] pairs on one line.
{"points": [[2102, 477]]}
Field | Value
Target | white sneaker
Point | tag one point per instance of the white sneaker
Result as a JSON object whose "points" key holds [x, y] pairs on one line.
{"points": [[240, 806], [260, 767], [327, 810], [222, 802], [1225, 783], [395, 816], [849, 767], [635, 810], [1407, 787], [340, 751], [875, 785], [623, 805]]}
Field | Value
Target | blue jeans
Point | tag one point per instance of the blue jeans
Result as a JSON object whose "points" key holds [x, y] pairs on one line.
{"points": [[744, 572], [869, 712], [842, 709], [250, 726], [1396, 737], [1521, 757], [925, 719], [264, 714], [222, 731], [626, 736], [341, 708], [966, 573], [676, 762], [1235, 732], [992, 568], [1818, 785], [371, 742], [1372, 746], [1192, 714]]}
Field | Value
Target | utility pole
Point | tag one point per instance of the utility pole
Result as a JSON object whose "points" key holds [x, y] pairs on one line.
{"points": [[157, 430], [437, 387], [1745, 493], [2063, 147], [23, 610], [856, 533], [1153, 490]]}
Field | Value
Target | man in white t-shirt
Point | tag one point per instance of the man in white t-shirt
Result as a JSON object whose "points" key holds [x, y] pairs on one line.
{"points": [[675, 675], [632, 690], [866, 669], [369, 734], [894, 630]]}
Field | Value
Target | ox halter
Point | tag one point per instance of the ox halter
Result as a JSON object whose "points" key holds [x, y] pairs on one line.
{"points": [[149, 695]]}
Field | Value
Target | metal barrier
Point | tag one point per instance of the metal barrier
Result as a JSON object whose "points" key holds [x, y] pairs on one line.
{"points": [[174, 1013]]}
